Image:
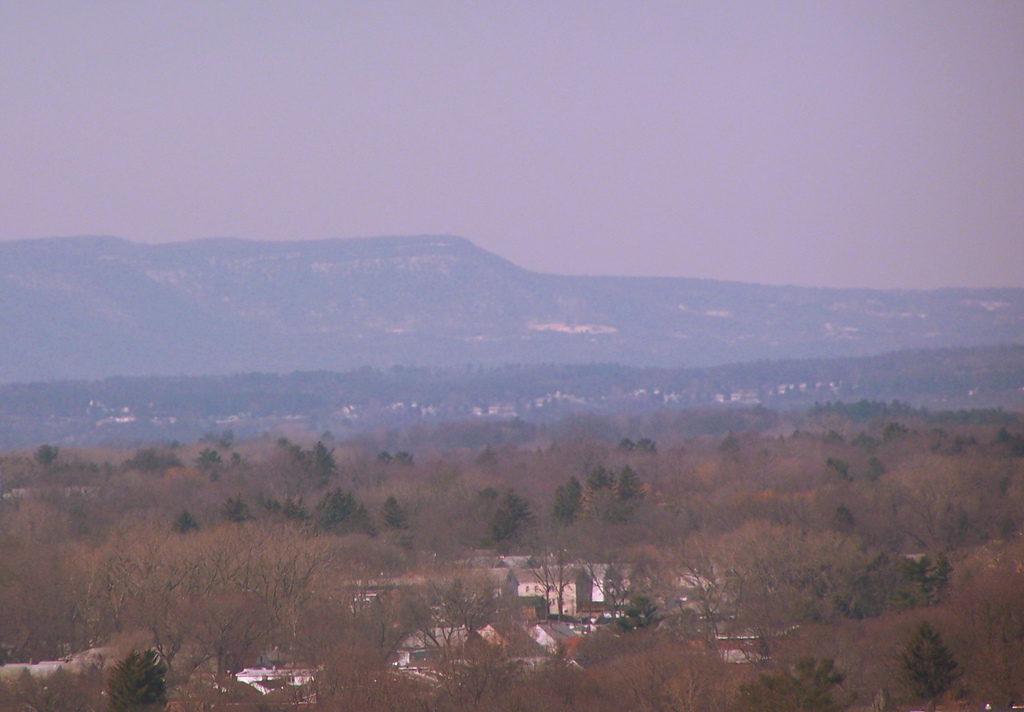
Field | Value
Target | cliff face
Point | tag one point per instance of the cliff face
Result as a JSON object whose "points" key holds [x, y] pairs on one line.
{"points": [[95, 307]]}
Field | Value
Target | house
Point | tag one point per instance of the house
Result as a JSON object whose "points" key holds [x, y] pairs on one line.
{"points": [[422, 651], [571, 589], [739, 649], [416, 658], [436, 637], [552, 635], [552, 590], [85, 661], [44, 668], [267, 680], [529, 584], [502, 579], [600, 590], [490, 634]]}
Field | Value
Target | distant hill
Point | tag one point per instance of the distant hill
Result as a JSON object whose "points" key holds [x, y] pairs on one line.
{"points": [[94, 307]]}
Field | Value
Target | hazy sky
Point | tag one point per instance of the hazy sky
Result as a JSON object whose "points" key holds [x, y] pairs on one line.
{"points": [[876, 144]]}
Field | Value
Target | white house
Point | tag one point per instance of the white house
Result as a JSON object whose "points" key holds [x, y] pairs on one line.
{"points": [[269, 679], [551, 634]]}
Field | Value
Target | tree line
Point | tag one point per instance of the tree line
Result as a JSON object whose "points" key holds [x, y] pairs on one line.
{"points": [[849, 560]]}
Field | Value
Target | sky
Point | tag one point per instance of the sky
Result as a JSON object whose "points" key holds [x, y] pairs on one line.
{"points": [[844, 144]]}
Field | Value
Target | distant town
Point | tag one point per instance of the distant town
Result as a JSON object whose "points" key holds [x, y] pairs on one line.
{"points": [[121, 410]]}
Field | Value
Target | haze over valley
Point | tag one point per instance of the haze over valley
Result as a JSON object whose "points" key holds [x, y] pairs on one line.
{"points": [[519, 357]]}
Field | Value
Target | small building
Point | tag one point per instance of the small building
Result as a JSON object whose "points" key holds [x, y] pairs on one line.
{"points": [[552, 635], [267, 680]]}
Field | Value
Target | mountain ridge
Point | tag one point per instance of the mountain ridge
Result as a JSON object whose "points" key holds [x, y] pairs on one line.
{"points": [[92, 307]]}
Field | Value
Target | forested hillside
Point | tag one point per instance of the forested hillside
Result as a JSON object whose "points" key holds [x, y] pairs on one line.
{"points": [[815, 561]]}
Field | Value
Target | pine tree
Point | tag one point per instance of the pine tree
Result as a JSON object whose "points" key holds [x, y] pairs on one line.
{"points": [[338, 511], [294, 509], [629, 486], [235, 509], [926, 664], [600, 478], [137, 683], [806, 687], [208, 459], [185, 522], [323, 463], [646, 445], [508, 521], [46, 455], [393, 514], [568, 501], [640, 612]]}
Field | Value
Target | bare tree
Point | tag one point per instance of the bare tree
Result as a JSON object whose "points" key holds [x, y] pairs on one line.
{"points": [[557, 572]]}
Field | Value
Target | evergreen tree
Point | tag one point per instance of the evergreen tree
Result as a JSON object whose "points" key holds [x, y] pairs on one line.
{"points": [[840, 467], [339, 511], [568, 501], [640, 612], [629, 486], [730, 447], [294, 509], [323, 463], [876, 468], [393, 514], [151, 459], [208, 459], [185, 522], [923, 581], [646, 445], [137, 683], [926, 665], [807, 687], [235, 509], [509, 519], [46, 455], [600, 478], [940, 576]]}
